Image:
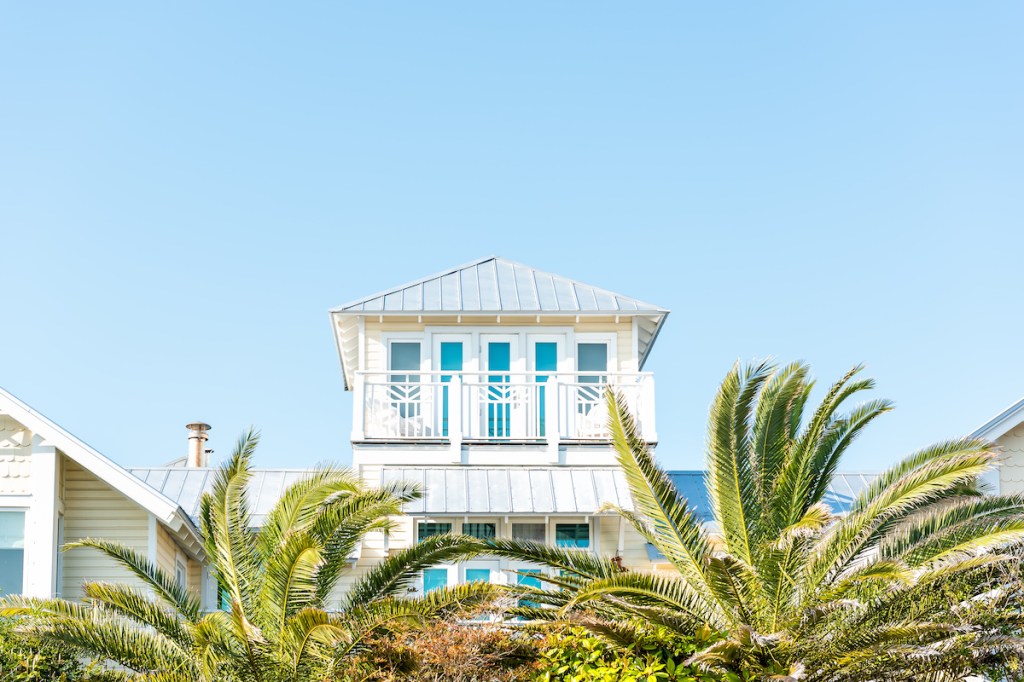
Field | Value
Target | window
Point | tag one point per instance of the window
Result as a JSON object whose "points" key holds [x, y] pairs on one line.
{"points": [[181, 573], [404, 390], [426, 529], [12, 552], [591, 357], [499, 392], [434, 579], [545, 360], [478, 575], [481, 531], [451, 360], [534, 532], [572, 535], [529, 577]]}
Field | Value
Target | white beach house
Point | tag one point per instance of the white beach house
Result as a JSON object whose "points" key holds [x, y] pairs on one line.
{"points": [[483, 383]]}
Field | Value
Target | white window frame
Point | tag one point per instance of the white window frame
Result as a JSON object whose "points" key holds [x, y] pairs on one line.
{"points": [[181, 564], [609, 338]]}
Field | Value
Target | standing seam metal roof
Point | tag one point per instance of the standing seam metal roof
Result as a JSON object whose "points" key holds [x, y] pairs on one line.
{"points": [[497, 285]]}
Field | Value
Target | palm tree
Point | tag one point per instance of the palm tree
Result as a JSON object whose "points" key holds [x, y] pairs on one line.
{"points": [[277, 580], [795, 591]]}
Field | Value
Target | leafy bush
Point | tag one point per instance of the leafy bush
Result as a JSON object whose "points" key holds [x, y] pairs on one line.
{"points": [[575, 655], [22, 660], [448, 652]]}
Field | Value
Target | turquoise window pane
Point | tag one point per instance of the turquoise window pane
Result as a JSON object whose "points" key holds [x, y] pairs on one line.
{"points": [[405, 355], [529, 578], [545, 360], [499, 408], [546, 356], [434, 579], [12, 552], [499, 356], [572, 535], [426, 530], [451, 355], [451, 359], [478, 575]]}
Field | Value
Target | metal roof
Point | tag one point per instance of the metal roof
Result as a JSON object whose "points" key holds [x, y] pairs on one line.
{"points": [[497, 285], [187, 485], [492, 286], [839, 497], [480, 490]]}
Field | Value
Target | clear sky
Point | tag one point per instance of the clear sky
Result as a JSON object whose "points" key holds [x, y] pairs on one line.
{"points": [[186, 188]]}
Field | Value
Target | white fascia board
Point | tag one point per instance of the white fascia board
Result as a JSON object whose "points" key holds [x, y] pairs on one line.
{"points": [[1001, 423], [165, 510]]}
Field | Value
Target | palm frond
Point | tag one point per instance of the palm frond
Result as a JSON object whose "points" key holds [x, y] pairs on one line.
{"points": [[163, 585]]}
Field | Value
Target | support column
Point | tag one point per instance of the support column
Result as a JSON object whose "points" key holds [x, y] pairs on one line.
{"points": [[41, 523]]}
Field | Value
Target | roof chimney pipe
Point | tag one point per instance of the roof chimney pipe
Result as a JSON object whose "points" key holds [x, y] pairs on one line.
{"points": [[197, 435]]}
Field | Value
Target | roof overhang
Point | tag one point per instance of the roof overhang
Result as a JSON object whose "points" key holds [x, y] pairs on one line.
{"points": [[347, 327], [163, 509], [1002, 423]]}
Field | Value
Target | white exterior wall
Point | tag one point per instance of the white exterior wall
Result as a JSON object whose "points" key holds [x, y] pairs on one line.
{"points": [[15, 458], [92, 509], [1011, 469]]}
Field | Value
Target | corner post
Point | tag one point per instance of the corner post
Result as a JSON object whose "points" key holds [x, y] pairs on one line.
{"points": [[455, 417], [41, 523]]}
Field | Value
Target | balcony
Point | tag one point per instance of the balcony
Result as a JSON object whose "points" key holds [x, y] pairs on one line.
{"points": [[482, 407]]}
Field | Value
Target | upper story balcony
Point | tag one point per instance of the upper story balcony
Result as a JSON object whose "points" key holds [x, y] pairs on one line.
{"points": [[485, 407]]}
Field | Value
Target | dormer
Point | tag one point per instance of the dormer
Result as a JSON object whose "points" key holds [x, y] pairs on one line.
{"points": [[494, 353]]}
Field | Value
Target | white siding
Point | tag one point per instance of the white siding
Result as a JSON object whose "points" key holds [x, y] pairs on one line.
{"points": [[1011, 471], [15, 457], [94, 509]]}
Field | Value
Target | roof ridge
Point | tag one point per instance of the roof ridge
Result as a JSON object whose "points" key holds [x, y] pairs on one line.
{"points": [[641, 305]]}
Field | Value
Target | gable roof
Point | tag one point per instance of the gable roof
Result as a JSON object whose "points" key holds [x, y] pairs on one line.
{"points": [[1002, 422], [493, 286], [165, 510]]}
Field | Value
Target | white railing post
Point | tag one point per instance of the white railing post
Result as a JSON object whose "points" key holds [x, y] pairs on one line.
{"points": [[552, 429], [650, 431], [455, 417], [359, 407]]}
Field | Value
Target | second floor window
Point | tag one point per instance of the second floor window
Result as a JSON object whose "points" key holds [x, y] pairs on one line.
{"points": [[572, 535], [428, 529], [479, 530]]}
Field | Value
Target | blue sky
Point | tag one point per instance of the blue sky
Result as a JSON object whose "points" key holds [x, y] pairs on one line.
{"points": [[186, 189]]}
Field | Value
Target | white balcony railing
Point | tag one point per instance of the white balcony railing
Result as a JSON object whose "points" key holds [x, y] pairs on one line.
{"points": [[495, 407]]}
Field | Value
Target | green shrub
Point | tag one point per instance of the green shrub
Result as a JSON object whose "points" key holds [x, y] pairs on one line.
{"points": [[24, 661], [575, 655]]}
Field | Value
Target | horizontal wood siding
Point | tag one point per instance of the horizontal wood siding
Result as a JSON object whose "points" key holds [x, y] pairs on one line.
{"points": [[634, 554], [92, 509]]}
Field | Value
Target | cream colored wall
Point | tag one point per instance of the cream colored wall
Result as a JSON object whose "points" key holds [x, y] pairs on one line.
{"points": [[15, 457], [634, 547], [94, 509], [375, 352], [1011, 470]]}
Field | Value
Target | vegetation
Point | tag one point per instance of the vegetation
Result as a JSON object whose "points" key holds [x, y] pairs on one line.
{"points": [[573, 654], [277, 580], [25, 660], [446, 652], [794, 591]]}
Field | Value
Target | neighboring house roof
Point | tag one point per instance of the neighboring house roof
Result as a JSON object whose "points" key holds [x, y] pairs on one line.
{"points": [[840, 496], [165, 510], [1002, 422], [462, 490], [186, 486], [495, 285]]}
